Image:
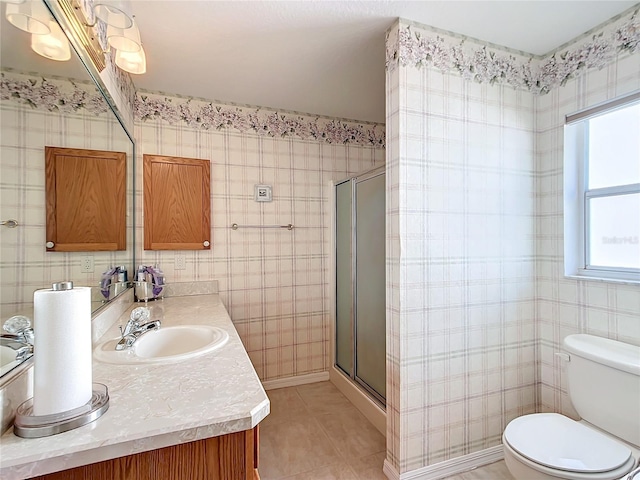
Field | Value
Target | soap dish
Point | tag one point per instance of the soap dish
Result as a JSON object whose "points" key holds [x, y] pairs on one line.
{"points": [[28, 425]]}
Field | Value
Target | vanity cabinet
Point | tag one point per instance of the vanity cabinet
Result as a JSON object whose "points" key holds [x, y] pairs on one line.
{"points": [[228, 457], [85, 194], [177, 205]]}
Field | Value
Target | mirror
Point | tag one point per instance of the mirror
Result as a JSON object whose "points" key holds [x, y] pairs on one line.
{"points": [[47, 103]]}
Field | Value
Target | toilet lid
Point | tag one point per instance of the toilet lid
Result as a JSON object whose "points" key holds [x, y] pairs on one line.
{"points": [[558, 442]]}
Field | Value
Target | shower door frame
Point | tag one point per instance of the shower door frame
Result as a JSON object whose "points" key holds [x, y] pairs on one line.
{"points": [[354, 309]]}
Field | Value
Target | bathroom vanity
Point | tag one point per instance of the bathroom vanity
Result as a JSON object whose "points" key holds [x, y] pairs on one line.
{"points": [[194, 419]]}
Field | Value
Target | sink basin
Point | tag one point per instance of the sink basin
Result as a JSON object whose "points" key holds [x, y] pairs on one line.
{"points": [[169, 344]]}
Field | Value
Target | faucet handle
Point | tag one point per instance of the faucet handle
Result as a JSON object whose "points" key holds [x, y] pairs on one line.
{"points": [[140, 314], [20, 326], [17, 324]]}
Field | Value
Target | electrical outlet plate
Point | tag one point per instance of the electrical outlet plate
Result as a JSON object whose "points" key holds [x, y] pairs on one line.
{"points": [[180, 261], [87, 264]]}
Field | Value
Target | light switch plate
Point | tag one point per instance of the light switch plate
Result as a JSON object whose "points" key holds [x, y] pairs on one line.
{"points": [[263, 193]]}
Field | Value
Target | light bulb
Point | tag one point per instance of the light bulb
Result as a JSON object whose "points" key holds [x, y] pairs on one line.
{"points": [[125, 39], [54, 46], [132, 62]]}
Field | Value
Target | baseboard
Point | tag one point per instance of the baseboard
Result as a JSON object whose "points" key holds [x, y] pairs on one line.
{"points": [[390, 471], [448, 468], [370, 409], [296, 380]]}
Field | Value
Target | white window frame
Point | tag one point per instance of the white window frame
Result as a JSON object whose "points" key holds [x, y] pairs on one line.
{"points": [[577, 195]]}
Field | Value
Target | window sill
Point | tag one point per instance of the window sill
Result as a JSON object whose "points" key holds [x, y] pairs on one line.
{"points": [[590, 278]]}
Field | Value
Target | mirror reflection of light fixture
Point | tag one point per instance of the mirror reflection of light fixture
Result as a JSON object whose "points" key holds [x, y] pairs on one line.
{"points": [[125, 39], [30, 16], [54, 45], [116, 13], [132, 62]]}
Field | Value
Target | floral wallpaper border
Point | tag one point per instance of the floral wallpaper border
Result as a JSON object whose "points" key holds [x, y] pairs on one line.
{"points": [[408, 47], [52, 95], [210, 116]]}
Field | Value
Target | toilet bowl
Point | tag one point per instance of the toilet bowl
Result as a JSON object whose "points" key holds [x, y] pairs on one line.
{"points": [[603, 378], [550, 446]]}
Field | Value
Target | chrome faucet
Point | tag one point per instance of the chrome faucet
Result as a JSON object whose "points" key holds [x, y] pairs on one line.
{"points": [[22, 350], [137, 326]]}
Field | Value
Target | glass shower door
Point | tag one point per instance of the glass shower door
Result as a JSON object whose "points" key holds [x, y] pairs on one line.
{"points": [[344, 277], [360, 281], [370, 312]]}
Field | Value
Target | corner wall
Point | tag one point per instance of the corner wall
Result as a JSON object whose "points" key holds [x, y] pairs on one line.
{"points": [[462, 316]]}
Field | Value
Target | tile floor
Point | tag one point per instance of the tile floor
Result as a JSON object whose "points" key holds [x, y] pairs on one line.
{"points": [[313, 432]]}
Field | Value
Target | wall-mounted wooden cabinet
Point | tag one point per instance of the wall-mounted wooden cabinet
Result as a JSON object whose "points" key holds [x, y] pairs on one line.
{"points": [[177, 211], [85, 200]]}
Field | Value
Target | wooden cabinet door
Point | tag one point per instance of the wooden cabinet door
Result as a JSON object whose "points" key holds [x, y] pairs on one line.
{"points": [[85, 194], [227, 457], [177, 212]]}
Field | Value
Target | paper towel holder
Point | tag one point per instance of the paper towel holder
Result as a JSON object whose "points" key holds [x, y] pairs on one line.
{"points": [[28, 425]]}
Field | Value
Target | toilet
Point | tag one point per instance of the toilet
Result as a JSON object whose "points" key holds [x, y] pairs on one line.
{"points": [[604, 387]]}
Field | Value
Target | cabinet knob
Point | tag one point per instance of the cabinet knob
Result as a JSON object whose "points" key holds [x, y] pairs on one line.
{"points": [[206, 243], [50, 244]]}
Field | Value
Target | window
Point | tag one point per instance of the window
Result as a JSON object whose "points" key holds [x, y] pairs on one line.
{"points": [[602, 191]]}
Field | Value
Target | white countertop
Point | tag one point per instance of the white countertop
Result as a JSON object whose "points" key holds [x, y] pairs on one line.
{"points": [[154, 405]]}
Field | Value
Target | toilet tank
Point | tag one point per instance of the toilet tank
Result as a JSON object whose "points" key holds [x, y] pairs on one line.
{"points": [[604, 384]]}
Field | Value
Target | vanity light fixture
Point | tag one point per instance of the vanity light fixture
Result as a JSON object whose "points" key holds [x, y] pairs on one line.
{"points": [[122, 34], [132, 62], [54, 45], [47, 38], [30, 16], [74, 23]]}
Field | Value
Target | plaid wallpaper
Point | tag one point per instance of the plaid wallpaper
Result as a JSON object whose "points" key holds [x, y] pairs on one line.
{"points": [[462, 210], [477, 304], [566, 305], [30, 121], [395, 394], [272, 281]]}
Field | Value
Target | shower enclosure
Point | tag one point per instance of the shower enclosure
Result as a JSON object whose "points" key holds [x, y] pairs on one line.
{"points": [[360, 281]]}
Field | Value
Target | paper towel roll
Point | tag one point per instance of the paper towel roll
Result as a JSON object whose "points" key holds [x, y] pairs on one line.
{"points": [[62, 350]]}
